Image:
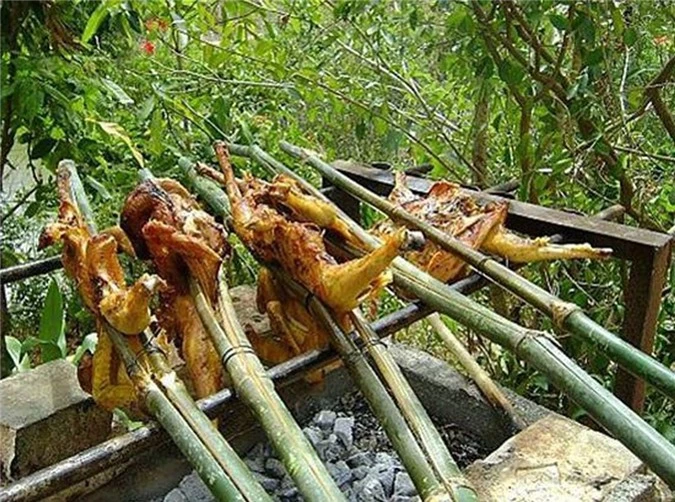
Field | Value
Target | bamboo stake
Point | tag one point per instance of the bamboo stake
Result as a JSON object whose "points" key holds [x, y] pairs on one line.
{"points": [[223, 472], [414, 413], [205, 429], [189, 443], [532, 346], [255, 387], [566, 315], [381, 403], [492, 393]]}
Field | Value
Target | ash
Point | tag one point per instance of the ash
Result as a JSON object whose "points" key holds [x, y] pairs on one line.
{"points": [[356, 452]]}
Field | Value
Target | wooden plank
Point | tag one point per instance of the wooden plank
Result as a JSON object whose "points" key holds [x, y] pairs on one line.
{"points": [[643, 300], [629, 243]]}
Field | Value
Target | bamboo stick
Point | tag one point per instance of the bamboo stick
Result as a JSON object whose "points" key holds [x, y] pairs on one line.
{"points": [[223, 472], [492, 393], [174, 388], [414, 413], [256, 389], [381, 403], [532, 346], [566, 315]]}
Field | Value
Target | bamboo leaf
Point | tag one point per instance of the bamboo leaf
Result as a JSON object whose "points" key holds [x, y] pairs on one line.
{"points": [[88, 345], [52, 326], [117, 131], [95, 21], [118, 92]]}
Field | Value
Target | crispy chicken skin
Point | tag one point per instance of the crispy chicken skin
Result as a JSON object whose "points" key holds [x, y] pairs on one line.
{"points": [[264, 218], [165, 224], [448, 208], [296, 331], [91, 261]]}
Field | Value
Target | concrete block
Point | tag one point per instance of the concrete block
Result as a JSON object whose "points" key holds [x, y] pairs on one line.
{"points": [[45, 417], [555, 459]]}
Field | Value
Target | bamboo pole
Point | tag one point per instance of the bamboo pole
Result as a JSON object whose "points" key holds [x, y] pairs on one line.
{"points": [[174, 388], [533, 346], [255, 387], [566, 315], [414, 413], [189, 443], [488, 387], [223, 472], [381, 403]]}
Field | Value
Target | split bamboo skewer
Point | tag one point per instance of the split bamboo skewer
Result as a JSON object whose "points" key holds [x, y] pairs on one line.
{"points": [[389, 416], [566, 315], [412, 410], [212, 458], [257, 390], [488, 387], [533, 346], [415, 414]]}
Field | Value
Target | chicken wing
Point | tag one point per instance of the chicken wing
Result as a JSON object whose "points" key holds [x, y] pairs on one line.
{"points": [[91, 261], [452, 210], [165, 224]]}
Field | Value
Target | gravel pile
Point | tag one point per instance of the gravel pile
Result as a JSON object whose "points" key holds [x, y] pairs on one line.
{"points": [[355, 450]]}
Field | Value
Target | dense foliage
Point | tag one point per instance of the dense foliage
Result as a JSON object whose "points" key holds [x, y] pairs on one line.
{"points": [[574, 99]]}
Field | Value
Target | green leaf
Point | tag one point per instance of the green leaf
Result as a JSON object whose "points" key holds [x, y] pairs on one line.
{"points": [[146, 109], [13, 347], [511, 73], [98, 187], [88, 345], [559, 21], [42, 148], [118, 92], [118, 131], [630, 36], [95, 21], [157, 132], [52, 325]]}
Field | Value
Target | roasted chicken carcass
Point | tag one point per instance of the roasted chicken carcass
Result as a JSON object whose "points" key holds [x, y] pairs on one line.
{"points": [[165, 224], [457, 213], [91, 261], [282, 227]]}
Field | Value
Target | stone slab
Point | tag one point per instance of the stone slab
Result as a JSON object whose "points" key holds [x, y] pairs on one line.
{"points": [[554, 459], [45, 417]]}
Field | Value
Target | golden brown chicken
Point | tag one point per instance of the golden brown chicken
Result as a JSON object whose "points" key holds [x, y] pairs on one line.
{"points": [[165, 224], [295, 330], [91, 261], [281, 226], [452, 210]]}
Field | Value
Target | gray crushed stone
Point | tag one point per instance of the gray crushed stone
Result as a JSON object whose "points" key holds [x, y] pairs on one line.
{"points": [[356, 452]]}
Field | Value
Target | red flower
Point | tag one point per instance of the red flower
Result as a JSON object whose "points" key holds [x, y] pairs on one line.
{"points": [[148, 47]]}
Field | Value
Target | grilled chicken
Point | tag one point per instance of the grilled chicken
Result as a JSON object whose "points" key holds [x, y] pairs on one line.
{"points": [[91, 261], [165, 224], [295, 330], [279, 225], [448, 208]]}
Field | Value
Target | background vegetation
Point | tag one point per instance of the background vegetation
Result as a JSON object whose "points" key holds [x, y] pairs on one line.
{"points": [[574, 99]]}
